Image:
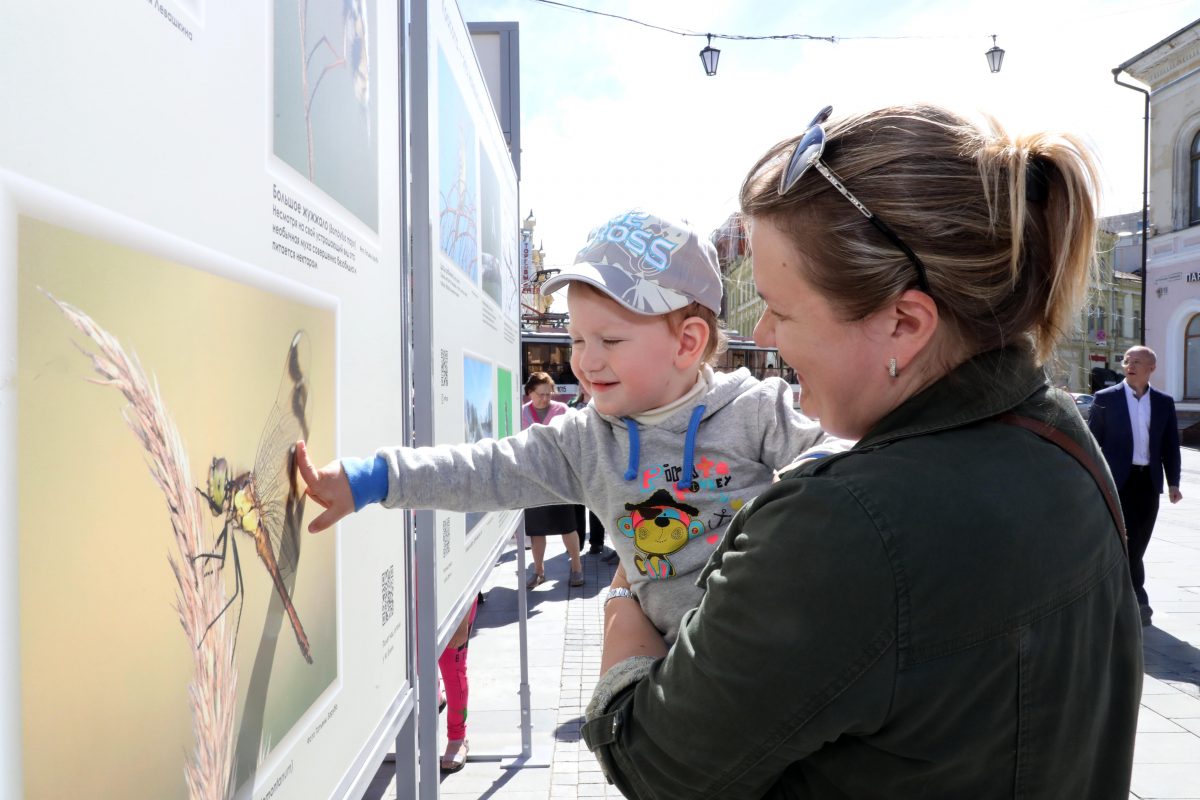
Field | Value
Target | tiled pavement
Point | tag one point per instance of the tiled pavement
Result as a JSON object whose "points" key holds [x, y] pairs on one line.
{"points": [[565, 633], [1167, 758]]}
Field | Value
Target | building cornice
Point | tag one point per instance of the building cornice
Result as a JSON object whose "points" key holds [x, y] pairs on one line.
{"points": [[1168, 59]]}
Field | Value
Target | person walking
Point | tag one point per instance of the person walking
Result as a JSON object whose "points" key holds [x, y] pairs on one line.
{"points": [[544, 521], [1138, 432]]}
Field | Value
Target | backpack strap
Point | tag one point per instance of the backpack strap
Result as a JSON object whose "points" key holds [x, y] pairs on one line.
{"points": [[1072, 448]]}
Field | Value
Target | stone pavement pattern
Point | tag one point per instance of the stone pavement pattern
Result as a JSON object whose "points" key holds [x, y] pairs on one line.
{"points": [[1167, 755], [565, 635]]}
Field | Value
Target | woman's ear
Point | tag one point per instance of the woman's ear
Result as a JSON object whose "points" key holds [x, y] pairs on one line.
{"points": [[909, 325], [693, 336]]}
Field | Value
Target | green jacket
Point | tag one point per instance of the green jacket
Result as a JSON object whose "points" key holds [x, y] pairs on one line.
{"points": [[943, 611]]}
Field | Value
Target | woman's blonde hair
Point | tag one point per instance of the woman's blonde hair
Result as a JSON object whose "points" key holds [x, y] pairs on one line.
{"points": [[1005, 227]]}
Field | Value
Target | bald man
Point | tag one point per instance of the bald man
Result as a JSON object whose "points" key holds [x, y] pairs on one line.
{"points": [[1136, 427]]}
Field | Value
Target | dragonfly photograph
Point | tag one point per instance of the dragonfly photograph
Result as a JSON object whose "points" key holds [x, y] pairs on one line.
{"points": [[241, 364], [265, 503]]}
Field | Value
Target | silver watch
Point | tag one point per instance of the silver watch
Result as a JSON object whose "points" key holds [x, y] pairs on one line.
{"points": [[618, 591]]}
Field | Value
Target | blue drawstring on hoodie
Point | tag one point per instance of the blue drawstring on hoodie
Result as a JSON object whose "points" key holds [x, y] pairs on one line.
{"points": [[689, 448], [631, 471]]}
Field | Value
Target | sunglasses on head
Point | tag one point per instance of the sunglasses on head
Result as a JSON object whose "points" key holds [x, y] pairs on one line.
{"points": [[807, 153]]}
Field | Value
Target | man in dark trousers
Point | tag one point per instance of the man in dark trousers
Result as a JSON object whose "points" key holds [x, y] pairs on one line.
{"points": [[1137, 430]]}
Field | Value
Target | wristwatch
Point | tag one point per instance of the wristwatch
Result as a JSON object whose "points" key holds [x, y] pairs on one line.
{"points": [[618, 591]]}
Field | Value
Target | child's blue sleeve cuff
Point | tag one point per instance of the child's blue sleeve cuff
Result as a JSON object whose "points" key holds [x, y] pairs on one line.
{"points": [[368, 479]]}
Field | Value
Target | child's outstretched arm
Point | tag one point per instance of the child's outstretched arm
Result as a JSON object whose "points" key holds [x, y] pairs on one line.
{"points": [[327, 486]]}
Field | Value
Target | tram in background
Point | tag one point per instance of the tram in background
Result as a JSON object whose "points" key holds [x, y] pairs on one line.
{"points": [[549, 351]]}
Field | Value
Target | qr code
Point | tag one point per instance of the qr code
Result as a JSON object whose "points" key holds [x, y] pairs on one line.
{"points": [[444, 368], [445, 537], [388, 593]]}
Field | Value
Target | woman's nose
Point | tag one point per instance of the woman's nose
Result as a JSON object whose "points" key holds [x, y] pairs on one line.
{"points": [[764, 332]]}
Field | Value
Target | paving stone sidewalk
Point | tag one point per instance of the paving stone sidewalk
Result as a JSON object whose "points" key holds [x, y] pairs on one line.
{"points": [[1167, 755]]}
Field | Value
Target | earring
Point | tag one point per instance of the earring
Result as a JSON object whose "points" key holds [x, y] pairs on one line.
{"points": [[892, 370]]}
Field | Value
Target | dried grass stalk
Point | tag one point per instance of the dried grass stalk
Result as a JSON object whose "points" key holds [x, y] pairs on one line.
{"points": [[212, 694]]}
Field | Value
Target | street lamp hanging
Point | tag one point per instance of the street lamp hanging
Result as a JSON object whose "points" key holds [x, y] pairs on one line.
{"points": [[709, 56], [995, 56]]}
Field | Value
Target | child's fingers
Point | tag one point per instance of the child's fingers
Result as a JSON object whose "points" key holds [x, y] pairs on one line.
{"points": [[325, 519], [326, 487], [305, 465]]}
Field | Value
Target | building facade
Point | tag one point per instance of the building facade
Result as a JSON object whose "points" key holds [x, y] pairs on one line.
{"points": [[1171, 70], [742, 305], [1108, 325], [1110, 321]]}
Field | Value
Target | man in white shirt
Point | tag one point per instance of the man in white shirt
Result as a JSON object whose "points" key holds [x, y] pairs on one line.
{"points": [[1136, 428]]}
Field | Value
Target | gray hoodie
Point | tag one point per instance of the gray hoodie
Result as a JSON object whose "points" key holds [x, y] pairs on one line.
{"points": [[726, 445]]}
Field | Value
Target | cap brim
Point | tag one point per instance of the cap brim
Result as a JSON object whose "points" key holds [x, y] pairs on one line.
{"points": [[651, 300]]}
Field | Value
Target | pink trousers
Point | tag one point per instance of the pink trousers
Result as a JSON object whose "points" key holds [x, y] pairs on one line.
{"points": [[453, 666]]}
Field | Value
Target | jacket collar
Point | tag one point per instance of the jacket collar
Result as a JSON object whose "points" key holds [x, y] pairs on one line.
{"points": [[980, 388]]}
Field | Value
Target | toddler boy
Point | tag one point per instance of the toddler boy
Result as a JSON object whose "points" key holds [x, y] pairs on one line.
{"points": [[665, 453]]}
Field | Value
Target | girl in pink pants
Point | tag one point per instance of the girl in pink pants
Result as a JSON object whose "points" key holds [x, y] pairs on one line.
{"points": [[453, 667]]}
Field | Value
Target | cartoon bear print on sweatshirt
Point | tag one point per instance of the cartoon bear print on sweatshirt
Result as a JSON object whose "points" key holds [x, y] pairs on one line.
{"points": [[659, 526]]}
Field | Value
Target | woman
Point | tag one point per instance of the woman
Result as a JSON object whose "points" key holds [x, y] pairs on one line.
{"points": [[548, 520], [945, 610], [587, 524]]}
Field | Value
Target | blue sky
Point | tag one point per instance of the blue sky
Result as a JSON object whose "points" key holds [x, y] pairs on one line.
{"points": [[616, 115]]}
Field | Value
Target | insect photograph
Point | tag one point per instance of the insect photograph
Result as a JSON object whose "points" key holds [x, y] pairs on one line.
{"points": [[180, 543], [264, 503]]}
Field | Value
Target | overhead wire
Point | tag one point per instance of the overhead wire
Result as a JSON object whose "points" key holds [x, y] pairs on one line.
{"points": [[727, 36]]}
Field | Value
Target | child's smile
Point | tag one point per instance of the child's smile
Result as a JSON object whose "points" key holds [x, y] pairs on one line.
{"points": [[626, 361]]}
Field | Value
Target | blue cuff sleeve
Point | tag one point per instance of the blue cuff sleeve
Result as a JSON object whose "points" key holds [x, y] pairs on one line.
{"points": [[368, 479]]}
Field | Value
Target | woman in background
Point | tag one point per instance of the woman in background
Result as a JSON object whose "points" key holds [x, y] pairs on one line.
{"points": [[555, 520], [587, 524]]}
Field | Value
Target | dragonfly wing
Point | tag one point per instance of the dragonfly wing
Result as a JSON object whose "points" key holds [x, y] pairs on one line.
{"points": [[281, 505]]}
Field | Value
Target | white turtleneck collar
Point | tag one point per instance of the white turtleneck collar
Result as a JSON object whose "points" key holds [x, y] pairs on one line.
{"points": [[654, 416]]}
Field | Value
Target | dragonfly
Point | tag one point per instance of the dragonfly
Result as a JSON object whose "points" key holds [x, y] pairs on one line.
{"points": [[265, 503]]}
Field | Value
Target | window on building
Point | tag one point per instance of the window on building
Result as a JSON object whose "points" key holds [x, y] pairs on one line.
{"points": [[1137, 324], [1091, 320], [1191, 359], [1194, 194]]}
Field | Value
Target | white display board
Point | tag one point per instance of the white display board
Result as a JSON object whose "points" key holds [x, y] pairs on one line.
{"points": [[466, 299], [200, 261], [472, 287]]}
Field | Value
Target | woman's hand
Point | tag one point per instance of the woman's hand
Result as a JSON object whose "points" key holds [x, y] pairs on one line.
{"points": [[619, 580], [327, 486], [628, 631]]}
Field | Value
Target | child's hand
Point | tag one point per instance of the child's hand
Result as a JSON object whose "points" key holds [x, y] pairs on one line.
{"points": [[327, 486]]}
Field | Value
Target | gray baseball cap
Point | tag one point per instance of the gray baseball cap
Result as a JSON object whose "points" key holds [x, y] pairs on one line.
{"points": [[648, 264]]}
